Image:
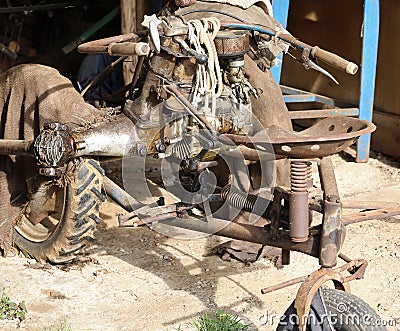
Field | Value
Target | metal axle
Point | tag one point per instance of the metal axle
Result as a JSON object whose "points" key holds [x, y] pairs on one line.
{"points": [[16, 147]]}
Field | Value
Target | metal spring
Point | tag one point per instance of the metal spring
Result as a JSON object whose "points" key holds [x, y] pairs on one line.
{"points": [[246, 202], [182, 149], [309, 175], [300, 175]]}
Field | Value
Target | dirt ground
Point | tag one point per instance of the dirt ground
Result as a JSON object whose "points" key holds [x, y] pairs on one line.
{"points": [[136, 279]]}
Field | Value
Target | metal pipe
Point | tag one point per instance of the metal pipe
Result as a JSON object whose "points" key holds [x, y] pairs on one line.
{"points": [[16, 147], [284, 284], [332, 228], [247, 232], [369, 215], [129, 48], [124, 199], [298, 201], [328, 179], [331, 234]]}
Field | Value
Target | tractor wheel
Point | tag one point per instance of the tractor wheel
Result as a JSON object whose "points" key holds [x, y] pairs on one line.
{"points": [[61, 216]]}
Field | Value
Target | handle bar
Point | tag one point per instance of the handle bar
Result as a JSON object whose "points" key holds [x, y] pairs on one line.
{"points": [[328, 57], [334, 60], [101, 45]]}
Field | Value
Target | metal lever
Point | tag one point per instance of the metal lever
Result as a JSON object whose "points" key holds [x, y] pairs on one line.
{"points": [[308, 64], [152, 22], [200, 58], [316, 67]]}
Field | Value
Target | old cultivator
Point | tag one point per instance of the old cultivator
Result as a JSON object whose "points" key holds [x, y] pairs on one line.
{"points": [[201, 106]]}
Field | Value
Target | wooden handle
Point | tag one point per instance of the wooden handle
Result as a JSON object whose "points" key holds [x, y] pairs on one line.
{"points": [[129, 48], [334, 60]]}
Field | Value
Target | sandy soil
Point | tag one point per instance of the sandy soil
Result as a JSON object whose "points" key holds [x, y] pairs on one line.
{"points": [[136, 279]]}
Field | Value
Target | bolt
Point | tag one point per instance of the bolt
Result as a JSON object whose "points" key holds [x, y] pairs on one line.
{"points": [[202, 58], [142, 150], [161, 148]]}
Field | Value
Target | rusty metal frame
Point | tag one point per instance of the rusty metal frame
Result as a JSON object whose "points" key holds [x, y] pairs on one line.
{"points": [[314, 281], [369, 214]]}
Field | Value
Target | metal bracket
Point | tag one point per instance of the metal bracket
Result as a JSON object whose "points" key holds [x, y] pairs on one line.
{"points": [[313, 282]]}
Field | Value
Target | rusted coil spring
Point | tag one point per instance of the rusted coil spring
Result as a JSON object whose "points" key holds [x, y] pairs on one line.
{"points": [[246, 202], [300, 176]]}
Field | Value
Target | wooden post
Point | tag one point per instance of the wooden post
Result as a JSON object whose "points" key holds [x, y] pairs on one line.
{"points": [[129, 24]]}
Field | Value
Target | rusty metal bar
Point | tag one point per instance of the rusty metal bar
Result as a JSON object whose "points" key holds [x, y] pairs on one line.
{"points": [[369, 215], [16, 147], [356, 268], [247, 232], [328, 179], [151, 219], [369, 205], [331, 234], [125, 200], [293, 92], [288, 283], [345, 258]]}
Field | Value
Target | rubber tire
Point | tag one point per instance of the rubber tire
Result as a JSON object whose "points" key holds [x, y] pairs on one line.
{"points": [[82, 198], [351, 309]]}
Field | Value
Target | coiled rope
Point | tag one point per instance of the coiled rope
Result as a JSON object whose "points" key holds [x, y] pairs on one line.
{"points": [[201, 37]]}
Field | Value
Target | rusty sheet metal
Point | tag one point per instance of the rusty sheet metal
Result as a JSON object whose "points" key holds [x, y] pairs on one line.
{"points": [[308, 289], [367, 215]]}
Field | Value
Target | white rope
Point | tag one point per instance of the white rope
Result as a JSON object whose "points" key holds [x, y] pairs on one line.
{"points": [[201, 37]]}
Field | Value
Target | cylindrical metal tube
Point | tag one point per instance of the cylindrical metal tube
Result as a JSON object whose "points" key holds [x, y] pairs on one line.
{"points": [[331, 234], [298, 216], [246, 232], [283, 285], [16, 147], [299, 220], [328, 179], [125, 200], [117, 138]]}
